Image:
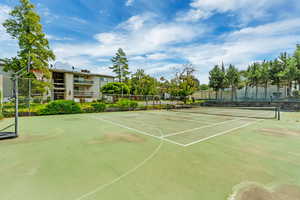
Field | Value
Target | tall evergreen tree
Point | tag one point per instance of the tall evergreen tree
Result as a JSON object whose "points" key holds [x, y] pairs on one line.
{"points": [[120, 65], [24, 25]]}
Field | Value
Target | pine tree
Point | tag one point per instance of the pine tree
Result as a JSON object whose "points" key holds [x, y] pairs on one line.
{"points": [[24, 26], [120, 65]]}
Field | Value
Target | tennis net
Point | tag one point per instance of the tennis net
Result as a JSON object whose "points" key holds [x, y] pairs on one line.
{"points": [[244, 112]]}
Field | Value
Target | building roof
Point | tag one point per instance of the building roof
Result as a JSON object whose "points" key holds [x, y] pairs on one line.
{"points": [[80, 73]]}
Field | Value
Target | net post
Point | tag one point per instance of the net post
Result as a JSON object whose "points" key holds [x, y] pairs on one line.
{"points": [[16, 107], [279, 112]]}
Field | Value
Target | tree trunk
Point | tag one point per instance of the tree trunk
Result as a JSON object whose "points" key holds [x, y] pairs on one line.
{"points": [[235, 92], [246, 91], [256, 92], [290, 88], [266, 90], [232, 93], [222, 94]]}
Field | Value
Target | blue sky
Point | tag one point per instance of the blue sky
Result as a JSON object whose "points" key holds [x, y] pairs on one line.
{"points": [[161, 35]]}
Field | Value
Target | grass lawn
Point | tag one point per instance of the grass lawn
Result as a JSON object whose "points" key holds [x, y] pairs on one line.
{"points": [[148, 155]]}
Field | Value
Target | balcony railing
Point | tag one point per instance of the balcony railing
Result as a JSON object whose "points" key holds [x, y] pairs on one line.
{"points": [[83, 94], [84, 82]]}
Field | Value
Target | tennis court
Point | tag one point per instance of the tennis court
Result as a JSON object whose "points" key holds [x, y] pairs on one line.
{"points": [[188, 126], [159, 154]]}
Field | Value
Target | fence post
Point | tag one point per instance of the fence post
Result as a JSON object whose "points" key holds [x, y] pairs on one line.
{"points": [[16, 106]]}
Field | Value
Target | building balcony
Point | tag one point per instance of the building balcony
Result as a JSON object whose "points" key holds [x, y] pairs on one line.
{"points": [[83, 94], [83, 82]]}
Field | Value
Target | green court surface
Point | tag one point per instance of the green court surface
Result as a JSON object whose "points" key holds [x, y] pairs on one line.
{"points": [[146, 155]]}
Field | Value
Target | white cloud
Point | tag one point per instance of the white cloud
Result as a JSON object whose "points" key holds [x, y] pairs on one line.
{"points": [[57, 38], [147, 39], [151, 45], [245, 9], [243, 46], [158, 56], [108, 38], [129, 2], [137, 22], [8, 45], [78, 20], [4, 14]]}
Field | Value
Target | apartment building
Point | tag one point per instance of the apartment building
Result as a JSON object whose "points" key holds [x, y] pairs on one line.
{"points": [[80, 86]]}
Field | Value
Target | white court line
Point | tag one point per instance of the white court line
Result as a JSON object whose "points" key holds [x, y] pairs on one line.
{"points": [[227, 114], [208, 126], [138, 131], [178, 117], [201, 127], [101, 187], [221, 133]]}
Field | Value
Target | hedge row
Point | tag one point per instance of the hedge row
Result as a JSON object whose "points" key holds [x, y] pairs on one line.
{"points": [[70, 107]]}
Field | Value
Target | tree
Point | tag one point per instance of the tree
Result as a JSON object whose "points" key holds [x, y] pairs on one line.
{"points": [[120, 65], [24, 25], [224, 83], [143, 84], [115, 88], [277, 67], [184, 83], [254, 76], [290, 73], [204, 87], [245, 81], [216, 79], [233, 78], [264, 76], [297, 57], [164, 86]]}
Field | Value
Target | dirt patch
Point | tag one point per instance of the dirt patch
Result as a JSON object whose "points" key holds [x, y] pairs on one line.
{"points": [[118, 137], [279, 132], [254, 193], [288, 192], [29, 139], [257, 192]]}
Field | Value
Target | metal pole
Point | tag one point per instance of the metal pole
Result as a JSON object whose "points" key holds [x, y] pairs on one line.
{"points": [[29, 95], [16, 107], [121, 70]]}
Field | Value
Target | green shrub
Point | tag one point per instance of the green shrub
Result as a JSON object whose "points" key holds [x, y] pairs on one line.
{"points": [[99, 107], [127, 104], [115, 88], [296, 93], [60, 107], [87, 108]]}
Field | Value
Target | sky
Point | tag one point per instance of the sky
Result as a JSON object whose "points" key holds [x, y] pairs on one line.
{"points": [[161, 35]]}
